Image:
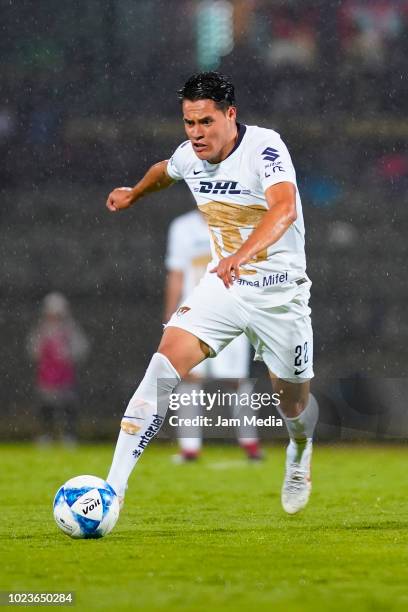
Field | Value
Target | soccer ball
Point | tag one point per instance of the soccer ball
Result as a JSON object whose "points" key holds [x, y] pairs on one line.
{"points": [[86, 507]]}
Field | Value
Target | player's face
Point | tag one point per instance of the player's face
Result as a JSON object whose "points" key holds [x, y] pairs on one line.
{"points": [[212, 131]]}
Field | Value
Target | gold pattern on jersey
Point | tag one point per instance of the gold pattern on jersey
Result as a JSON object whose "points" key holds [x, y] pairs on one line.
{"points": [[229, 219], [199, 265]]}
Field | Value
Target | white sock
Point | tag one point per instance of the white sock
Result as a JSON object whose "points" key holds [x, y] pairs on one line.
{"points": [[247, 434], [190, 445], [301, 428], [142, 419], [189, 437]]}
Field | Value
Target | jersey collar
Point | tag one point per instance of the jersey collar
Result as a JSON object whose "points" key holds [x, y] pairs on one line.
{"points": [[241, 132]]}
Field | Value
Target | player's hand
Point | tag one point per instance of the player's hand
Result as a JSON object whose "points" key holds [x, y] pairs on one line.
{"points": [[120, 198], [228, 269]]}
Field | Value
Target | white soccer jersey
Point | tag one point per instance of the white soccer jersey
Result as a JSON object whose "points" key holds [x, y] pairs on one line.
{"points": [[231, 195], [189, 249]]}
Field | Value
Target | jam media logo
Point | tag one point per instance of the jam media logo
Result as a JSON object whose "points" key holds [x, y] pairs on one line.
{"points": [[221, 187], [182, 310]]}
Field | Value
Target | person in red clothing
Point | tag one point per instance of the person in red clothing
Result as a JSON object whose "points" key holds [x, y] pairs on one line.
{"points": [[57, 345]]}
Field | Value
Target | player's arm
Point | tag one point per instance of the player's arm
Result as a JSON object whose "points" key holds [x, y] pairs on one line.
{"points": [[281, 213], [172, 292], [155, 179]]}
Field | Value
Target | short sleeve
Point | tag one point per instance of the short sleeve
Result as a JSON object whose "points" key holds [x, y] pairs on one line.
{"points": [[175, 165], [176, 254], [275, 164]]}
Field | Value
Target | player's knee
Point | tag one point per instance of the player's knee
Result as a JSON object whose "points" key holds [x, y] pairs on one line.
{"points": [[293, 399], [169, 342], [292, 407], [183, 355], [293, 394], [169, 350]]}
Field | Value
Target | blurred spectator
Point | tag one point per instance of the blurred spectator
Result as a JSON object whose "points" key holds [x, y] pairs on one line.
{"points": [[57, 345], [393, 168], [342, 234], [367, 27], [321, 191], [293, 36]]}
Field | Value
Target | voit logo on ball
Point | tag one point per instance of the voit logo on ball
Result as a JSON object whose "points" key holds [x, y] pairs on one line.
{"points": [[89, 505]]}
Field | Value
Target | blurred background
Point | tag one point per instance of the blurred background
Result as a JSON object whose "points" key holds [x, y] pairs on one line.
{"points": [[88, 102]]}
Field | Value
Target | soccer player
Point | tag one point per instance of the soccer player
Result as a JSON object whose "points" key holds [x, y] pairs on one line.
{"points": [[244, 182], [187, 257]]}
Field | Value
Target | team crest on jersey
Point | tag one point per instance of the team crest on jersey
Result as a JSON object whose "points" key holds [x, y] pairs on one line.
{"points": [[182, 310]]}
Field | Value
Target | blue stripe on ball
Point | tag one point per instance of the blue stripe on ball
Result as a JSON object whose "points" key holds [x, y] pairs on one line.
{"points": [[71, 495], [88, 526], [107, 498]]}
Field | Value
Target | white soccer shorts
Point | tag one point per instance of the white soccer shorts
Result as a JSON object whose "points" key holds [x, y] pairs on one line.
{"points": [[281, 335]]}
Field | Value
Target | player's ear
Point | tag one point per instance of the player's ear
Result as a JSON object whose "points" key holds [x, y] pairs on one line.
{"points": [[232, 112]]}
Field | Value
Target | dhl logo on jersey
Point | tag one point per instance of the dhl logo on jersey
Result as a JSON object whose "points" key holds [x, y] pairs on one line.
{"points": [[221, 187]]}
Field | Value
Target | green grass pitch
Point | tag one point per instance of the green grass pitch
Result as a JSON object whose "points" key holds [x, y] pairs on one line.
{"points": [[212, 536]]}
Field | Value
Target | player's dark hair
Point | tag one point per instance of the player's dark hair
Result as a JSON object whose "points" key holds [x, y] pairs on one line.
{"points": [[209, 86]]}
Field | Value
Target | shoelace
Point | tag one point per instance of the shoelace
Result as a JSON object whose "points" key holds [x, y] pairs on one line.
{"points": [[295, 479]]}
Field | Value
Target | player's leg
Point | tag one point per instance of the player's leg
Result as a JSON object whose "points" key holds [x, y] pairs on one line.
{"points": [[178, 352], [210, 318], [183, 348], [232, 366], [69, 417], [299, 409], [46, 418], [283, 339], [189, 437], [247, 434]]}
